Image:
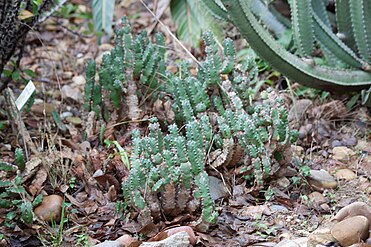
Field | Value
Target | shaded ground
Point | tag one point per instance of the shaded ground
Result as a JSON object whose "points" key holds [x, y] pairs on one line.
{"points": [[287, 208]]}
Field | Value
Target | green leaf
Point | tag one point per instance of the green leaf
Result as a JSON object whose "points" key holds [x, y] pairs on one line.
{"points": [[58, 121], [192, 17], [3, 125], [26, 212], [19, 159], [10, 216], [7, 73], [103, 15], [29, 72], [365, 97], [16, 75], [5, 203], [37, 201], [4, 166]]}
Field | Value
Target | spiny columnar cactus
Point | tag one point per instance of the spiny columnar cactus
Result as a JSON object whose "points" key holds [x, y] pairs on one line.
{"points": [[134, 61], [169, 171], [263, 133], [261, 130]]}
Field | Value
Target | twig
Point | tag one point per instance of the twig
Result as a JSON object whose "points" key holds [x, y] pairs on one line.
{"points": [[49, 13], [17, 118], [171, 34]]}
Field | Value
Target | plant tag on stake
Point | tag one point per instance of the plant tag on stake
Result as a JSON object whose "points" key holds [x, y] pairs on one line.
{"points": [[25, 95]]}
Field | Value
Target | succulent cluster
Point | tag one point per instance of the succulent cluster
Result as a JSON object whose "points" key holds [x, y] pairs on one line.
{"points": [[261, 130], [135, 61], [168, 170]]}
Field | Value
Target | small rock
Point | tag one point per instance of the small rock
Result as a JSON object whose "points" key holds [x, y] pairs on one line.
{"points": [[217, 188], [363, 146], [287, 243], [345, 174], [325, 207], [3, 243], [283, 182], [317, 198], [71, 93], [187, 229], [98, 173], [321, 179], [125, 240], [365, 165], [255, 211], [321, 236], [351, 230], [67, 74], [298, 150], [298, 109], [74, 120], [278, 208], [85, 146], [354, 209], [78, 80], [179, 239], [349, 141], [319, 202], [40, 108], [336, 143], [342, 153], [109, 244], [324, 153], [50, 208], [66, 114], [304, 130], [105, 47], [303, 241]]}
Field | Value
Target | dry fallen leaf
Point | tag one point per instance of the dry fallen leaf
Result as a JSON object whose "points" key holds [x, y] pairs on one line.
{"points": [[25, 14], [38, 181]]}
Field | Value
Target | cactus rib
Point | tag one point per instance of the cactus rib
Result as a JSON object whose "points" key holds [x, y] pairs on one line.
{"points": [[327, 38], [216, 9], [302, 25], [319, 7], [359, 12], [264, 14], [344, 25]]}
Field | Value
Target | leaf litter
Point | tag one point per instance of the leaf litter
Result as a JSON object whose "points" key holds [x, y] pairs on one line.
{"points": [[58, 58]]}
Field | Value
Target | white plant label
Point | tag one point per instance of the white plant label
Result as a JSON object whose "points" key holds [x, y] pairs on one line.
{"points": [[25, 95]]}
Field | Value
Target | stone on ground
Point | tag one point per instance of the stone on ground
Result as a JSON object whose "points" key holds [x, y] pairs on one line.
{"points": [[345, 174], [351, 230], [50, 208], [321, 179], [342, 153], [179, 239]]}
